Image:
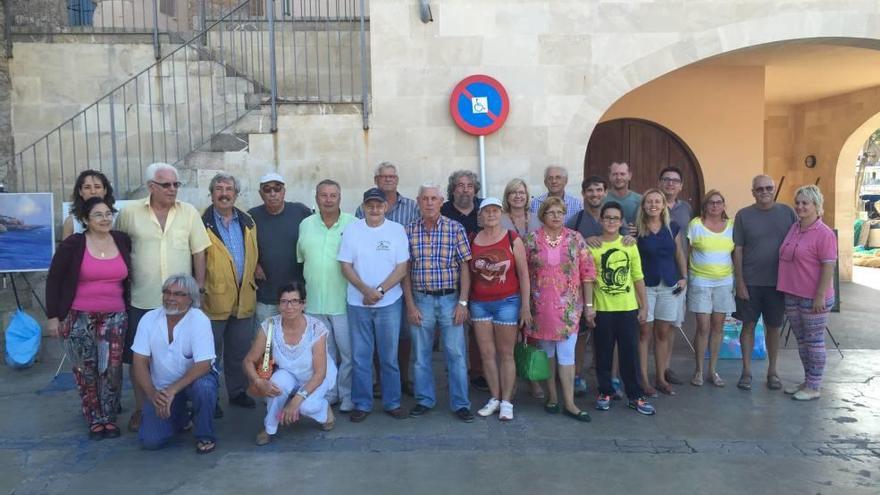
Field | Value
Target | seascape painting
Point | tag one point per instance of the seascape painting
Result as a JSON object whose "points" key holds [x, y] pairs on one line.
{"points": [[27, 236]]}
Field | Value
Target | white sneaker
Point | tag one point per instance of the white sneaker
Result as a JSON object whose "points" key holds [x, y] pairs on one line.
{"points": [[506, 413], [490, 408], [793, 389]]}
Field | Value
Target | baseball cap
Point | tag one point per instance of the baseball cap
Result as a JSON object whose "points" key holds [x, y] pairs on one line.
{"points": [[374, 193], [271, 177], [490, 201]]}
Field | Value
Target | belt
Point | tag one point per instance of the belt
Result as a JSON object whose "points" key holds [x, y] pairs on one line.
{"points": [[441, 292]]}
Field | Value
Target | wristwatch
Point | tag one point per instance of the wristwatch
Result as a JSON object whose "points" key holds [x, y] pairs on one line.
{"points": [[303, 393], [463, 303], [381, 290]]}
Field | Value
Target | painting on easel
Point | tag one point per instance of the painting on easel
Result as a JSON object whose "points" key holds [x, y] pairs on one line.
{"points": [[27, 236]]}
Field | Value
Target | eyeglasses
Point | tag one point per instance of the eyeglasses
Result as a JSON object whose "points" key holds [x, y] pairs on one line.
{"points": [[764, 189], [290, 302], [611, 219], [272, 189], [387, 177], [175, 293], [167, 185], [554, 213], [670, 180], [101, 216], [717, 202]]}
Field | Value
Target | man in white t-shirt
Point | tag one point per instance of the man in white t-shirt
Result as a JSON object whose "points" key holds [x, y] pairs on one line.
{"points": [[172, 363], [374, 254]]}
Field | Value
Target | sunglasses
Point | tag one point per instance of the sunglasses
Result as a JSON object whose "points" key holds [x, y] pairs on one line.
{"points": [[271, 189], [167, 185]]}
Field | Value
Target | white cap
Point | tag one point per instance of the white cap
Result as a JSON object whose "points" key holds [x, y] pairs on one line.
{"points": [[271, 177], [490, 201]]}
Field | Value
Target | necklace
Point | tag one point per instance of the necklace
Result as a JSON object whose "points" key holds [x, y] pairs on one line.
{"points": [[553, 242]]}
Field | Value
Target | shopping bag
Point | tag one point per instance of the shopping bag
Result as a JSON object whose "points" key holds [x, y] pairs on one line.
{"points": [[730, 346], [531, 362], [22, 340]]}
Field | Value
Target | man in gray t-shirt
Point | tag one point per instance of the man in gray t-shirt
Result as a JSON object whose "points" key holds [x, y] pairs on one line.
{"points": [[758, 231], [277, 234]]}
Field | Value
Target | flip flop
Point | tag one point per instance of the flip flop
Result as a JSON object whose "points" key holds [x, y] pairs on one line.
{"points": [[205, 446], [582, 416], [551, 408], [773, 382]]}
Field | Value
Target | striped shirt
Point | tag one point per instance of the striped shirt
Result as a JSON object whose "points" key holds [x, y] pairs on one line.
{"points": [[572, 205], [710, 261], [404, 212], [233, 240], [437, 254]]}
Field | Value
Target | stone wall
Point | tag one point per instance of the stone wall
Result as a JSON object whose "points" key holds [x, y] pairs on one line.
{"points": [[7, 142], [46, 15]]}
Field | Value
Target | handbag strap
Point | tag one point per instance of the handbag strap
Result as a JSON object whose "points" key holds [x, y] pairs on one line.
{"points": [[268, 351]]}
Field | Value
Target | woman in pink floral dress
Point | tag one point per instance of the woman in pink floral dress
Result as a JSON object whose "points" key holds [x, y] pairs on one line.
{"points": [[561, 270]]}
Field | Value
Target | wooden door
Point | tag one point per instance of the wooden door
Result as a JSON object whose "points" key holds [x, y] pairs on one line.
{"points": [[648, 148]]}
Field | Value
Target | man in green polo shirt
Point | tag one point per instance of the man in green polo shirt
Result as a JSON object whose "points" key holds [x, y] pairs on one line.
{"points": [[319, 238]]}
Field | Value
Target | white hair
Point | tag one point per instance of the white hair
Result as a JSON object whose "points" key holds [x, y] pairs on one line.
{"points": [[430, 185], [382, 166], [187, 283], [154, 168]]}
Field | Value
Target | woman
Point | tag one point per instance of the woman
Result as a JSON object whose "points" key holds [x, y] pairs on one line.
{"points": [[665, 271], [621, 305], [499, 303], [516, 214], [561, 274], [87, 291], [517, 217], [304, 372], [89, 184], [710, 275], [806, 265]]}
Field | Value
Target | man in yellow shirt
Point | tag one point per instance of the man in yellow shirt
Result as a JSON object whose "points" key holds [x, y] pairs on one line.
{"points": [[167, 238]]}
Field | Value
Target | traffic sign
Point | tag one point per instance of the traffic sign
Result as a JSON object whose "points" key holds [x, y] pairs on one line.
{"points": [[479, 105]]}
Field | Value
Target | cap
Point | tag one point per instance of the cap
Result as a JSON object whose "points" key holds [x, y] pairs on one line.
{"points": [[374, 193], [271, 177], [490, 201]]}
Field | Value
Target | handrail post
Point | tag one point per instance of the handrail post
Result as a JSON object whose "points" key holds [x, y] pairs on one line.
{"points": [[270, 13], [113, 147], [364, 91], [157, 51], [7, 27], [203, 21]]}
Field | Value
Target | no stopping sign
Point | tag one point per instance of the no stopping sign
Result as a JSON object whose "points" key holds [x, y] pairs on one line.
{"points": [[479, 105]]}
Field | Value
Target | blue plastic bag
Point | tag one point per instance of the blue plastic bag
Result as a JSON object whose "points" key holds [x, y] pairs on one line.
{"points": [[730, 346], [23, 336]]}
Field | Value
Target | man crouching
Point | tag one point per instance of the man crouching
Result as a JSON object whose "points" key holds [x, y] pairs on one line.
{"points": [[173, 362]]}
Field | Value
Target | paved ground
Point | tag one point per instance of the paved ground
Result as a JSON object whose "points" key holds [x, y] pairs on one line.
{"points": [[704, 440]]}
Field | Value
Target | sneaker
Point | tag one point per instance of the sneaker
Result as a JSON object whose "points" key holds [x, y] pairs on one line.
{"points": [[480, 384], [806, 394], [490, 408], [465, 415], [793, 389], [506, 413], [642, 406], [580, 387], [603, 402], [618, 390]]}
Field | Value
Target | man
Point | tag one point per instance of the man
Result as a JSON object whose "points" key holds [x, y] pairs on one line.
{"points": [[277, 232], [173, 353], [556, 178], [319, 238], [403, 211], [230, 289], [463, 206], [619, 177], [373, 255], [167, 237], [436, 293], [680, 212], [758, 232]]}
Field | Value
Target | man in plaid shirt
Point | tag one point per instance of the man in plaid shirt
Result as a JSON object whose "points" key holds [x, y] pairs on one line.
{"points": [[436, 294]]}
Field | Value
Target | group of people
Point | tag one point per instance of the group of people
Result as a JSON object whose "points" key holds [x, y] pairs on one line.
{"points": [[346, 304]]}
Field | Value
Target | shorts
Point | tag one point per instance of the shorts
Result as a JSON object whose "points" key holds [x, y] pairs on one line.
{"points": [[663, 305], [766, 301], [711, 299], [562, 350], [500, 312]]}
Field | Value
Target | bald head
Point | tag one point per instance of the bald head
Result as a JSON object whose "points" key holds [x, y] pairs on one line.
{"points": [[763, 190]]}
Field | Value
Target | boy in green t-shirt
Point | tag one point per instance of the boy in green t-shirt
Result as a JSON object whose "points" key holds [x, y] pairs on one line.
{"points": [[620, 303]]}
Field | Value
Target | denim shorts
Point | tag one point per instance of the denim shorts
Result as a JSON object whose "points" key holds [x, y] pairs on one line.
{"points": [[501, 312]]}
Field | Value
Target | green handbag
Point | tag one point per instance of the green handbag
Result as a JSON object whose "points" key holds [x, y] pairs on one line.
{"points": [[531, 362]]}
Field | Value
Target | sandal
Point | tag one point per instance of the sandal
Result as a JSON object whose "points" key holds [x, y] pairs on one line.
{"points": [[96, 431], [773, 382], [715, 379], [263, 438], [205, 446], [551, 408], [111, 431], [331, 421], [745, 382], [536, 391], [665, 389], [697, 380], [134, 423], [650, 391]]}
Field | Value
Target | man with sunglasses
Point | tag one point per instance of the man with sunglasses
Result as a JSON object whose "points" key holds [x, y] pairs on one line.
{"points": [[758, 232], [167, 237], [277, 234]]}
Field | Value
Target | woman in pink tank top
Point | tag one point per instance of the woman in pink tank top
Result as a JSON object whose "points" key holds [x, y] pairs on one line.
{"points": [[86, 298]]}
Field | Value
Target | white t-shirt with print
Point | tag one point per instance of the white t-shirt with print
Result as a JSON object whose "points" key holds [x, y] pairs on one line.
{"points": [[374, 252]]}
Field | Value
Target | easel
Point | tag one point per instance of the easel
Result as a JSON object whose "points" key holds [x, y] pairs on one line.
{"points": [[786, 329]]}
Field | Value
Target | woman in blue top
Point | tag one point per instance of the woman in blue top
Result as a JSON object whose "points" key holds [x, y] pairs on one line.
{"points": [[665, 269]]}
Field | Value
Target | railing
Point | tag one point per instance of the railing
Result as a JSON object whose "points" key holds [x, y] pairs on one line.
{"points": [[163, 113]]}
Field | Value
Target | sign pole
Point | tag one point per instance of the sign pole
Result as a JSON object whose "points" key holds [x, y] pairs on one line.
{"points": [[482, 144]]}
